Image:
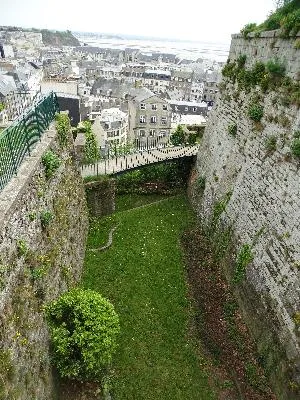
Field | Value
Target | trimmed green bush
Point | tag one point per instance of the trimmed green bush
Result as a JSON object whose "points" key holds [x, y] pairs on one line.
{"points": [[256, 112], [84, 328]]}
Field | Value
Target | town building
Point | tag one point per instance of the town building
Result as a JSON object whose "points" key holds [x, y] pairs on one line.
{"points": [[211, 90], [182, 81], [188, 107], [149, 118], [156, 80], [111, 127]]}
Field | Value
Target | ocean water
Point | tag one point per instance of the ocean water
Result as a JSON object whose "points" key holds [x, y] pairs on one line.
{"points": [[183, 49]]}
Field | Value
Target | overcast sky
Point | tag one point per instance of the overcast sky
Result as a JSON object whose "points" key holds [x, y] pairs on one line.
{"points": [[197, 20]]}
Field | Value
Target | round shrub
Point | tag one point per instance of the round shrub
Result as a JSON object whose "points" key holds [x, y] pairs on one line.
{"points": [[256, 112], [83, 328]]}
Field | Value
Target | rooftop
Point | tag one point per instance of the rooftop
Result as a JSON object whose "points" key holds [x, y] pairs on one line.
{"points": [[187, 103], [157, 72]]}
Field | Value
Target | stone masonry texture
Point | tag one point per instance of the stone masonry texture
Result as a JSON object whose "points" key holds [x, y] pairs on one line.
{"points": [[264, 206], [43, 228]]}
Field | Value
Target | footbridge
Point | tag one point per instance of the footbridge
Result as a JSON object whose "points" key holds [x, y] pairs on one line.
{"points": [[137, 159]]}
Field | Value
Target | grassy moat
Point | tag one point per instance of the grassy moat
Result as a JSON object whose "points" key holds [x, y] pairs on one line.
{"points": [[151, 275]]}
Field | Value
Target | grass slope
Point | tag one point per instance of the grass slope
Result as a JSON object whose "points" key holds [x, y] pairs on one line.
{"points": [[143, 275]]}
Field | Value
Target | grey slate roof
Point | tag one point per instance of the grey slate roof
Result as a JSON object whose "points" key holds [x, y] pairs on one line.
{"points": [[182, 74], [7, 84], [118, 89], [141, 94]]}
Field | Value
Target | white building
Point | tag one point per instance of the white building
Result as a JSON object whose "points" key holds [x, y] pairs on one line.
{"points": [[111, 127]]}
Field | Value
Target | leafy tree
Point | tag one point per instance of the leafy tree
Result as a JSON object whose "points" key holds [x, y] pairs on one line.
{"points": [[91, 152], [178, 137], [192, 138], [83, 328], [63, 128]]}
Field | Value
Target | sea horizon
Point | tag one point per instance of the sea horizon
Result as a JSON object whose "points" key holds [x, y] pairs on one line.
{"points": [[185, 49]]}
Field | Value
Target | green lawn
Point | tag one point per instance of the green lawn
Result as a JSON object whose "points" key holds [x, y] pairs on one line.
{"points": [[143, 276], [133, 200]]}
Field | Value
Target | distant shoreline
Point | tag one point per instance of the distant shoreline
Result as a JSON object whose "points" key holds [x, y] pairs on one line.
{"points": [[189, 50]]}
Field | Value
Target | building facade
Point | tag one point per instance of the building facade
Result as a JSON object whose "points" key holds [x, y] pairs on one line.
{"points": [[149, 119], [156, 80], [111, 127]]}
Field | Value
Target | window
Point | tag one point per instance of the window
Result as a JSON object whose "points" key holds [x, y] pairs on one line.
{"points": [[142, 132], [162, 133], [142, 119], [164, 120], [153, 119], [152, 132], [165, 107], [186, 109], [194, 109], [143, 106]]}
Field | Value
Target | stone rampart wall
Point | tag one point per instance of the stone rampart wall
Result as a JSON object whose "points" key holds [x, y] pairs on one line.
{"points": [[264, 206], [43, 228]]}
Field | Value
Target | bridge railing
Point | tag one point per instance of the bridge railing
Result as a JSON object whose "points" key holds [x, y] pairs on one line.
{"points": [[18, 140], [137, 159]]}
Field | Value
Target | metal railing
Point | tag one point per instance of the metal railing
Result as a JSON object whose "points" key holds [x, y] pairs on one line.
{"points": [[114, 165], [18, 140]]}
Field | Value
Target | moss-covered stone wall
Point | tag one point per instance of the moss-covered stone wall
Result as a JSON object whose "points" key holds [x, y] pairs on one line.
{"points": [[43, 228], [254, 167]]}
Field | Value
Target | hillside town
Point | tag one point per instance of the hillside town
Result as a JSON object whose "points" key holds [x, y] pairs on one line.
{"points": [[129, 95]]}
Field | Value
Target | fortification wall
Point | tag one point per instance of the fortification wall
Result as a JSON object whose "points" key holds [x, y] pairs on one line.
{"points": [[268, 46], [264, 206], [43, 228]]}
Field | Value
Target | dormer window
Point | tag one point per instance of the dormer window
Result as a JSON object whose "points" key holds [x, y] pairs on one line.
{"points": [[165, 107], [143, 106]]}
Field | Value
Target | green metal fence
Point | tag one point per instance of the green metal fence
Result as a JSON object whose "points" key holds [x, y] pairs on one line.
{"points": [[18, 140]]}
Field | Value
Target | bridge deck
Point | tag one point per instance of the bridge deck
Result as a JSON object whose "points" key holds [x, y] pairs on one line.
{"points": [[127, 162]]}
